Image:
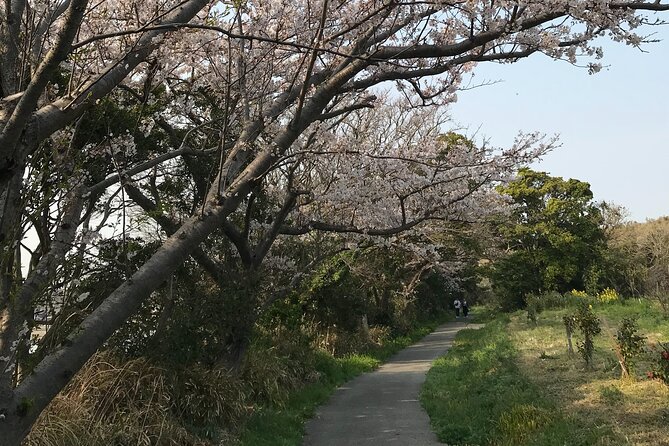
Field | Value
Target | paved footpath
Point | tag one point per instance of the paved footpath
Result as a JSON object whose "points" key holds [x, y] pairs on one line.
{"points": [[382, 407]]}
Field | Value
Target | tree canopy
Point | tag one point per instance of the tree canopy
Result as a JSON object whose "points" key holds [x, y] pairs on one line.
{"points": [[555, 240]]}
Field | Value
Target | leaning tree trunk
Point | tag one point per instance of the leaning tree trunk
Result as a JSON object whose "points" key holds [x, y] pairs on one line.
{"points": [[30, 398], [52, 374], [20, 408]]}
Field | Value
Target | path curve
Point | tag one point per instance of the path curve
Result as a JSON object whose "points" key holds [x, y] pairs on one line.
{"points": [[382, 407]]}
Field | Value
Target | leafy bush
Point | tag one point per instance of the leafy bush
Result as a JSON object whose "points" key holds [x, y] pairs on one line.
{"points": [[577, 298], [513, 278], [628, 345], [533, 307], [661, 369], [553, 299], [589, 325]]}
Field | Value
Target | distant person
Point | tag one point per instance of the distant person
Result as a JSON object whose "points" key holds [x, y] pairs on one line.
{"points": [[457, 305], [465, 308]]}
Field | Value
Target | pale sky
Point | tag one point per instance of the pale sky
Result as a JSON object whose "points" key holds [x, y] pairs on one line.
{"points": [[613, 126]]}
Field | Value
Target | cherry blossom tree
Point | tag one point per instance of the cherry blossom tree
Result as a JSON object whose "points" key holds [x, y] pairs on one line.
{"points": [[263, 75], [384, 177]]}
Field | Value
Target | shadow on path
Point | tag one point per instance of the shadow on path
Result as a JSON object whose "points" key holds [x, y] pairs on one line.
{"points": [[382, 407]]}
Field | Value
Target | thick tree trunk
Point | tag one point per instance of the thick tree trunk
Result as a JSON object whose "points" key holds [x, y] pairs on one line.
{"points": [[51, 375], [239, 347], [10, 322], [55, 371], [11, 15]]}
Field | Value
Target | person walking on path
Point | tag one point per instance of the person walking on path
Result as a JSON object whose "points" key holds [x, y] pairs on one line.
{"points": [[465, 308], [457, 305]]}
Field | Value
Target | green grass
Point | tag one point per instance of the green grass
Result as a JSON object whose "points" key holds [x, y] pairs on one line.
{"points": [[651, 320], [478, 395], [283, 426], [482, 314], [635, 409], [513, 383], [510, 383]]}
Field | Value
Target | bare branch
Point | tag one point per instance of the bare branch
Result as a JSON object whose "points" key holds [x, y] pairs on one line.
{"points": [[28, 101], [102, 185]]}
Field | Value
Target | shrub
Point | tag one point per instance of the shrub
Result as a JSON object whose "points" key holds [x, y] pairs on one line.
{"points": [[533, 307], [576, 293], [661, 368], [270, 375], [122, 403], [575, 297], [589, 326], [207, 399], [553, 299], [628, 345], [535, 304]]}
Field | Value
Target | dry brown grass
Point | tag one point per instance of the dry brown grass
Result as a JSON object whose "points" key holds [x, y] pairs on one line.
{"points": [[135, 403], [112, 403], [637, 410], [340, 342]]}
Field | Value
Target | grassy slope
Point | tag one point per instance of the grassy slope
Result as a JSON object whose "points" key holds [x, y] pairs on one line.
{"points": [[637, 410], [513, 384], [282, 426]]}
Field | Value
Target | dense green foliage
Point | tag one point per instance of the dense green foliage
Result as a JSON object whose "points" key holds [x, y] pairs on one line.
{"points": [[555, 239], [378, 284], [629, 345], [352, 311], [589, 325], [660, 369], [642, 253], [282, 380]]}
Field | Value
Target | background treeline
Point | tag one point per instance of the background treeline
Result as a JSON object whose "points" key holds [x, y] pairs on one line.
{"points": [[560, 239], [579, 353]]}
